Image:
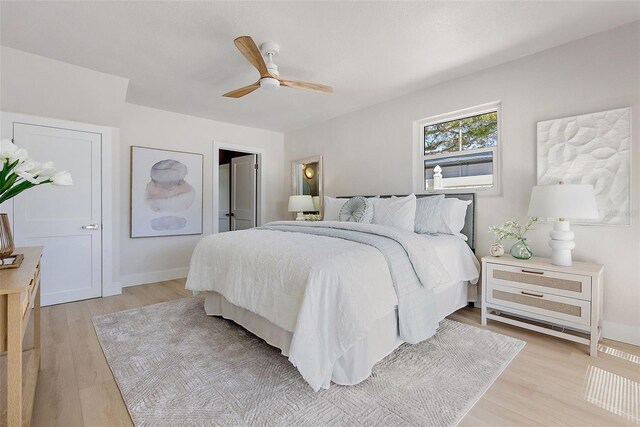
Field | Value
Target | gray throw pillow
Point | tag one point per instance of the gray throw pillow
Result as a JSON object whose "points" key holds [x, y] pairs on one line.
{"points": [[357, 209], [428, 215]]}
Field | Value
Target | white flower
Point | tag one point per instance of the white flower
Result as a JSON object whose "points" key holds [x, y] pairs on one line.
{"points": [[34, 172], [43, 170], [61, 178], [24, 170], [20, 154], [7, 148], [9, 151], [27, 166]]}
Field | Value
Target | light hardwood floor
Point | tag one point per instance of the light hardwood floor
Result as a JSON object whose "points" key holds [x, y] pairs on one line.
{"points": [[548, 383]]}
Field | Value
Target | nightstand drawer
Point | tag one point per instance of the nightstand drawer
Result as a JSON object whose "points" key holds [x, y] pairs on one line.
{"points": [[549, 305], [540, 281]]}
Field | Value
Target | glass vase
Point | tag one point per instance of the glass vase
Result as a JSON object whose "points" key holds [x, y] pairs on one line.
{"points": [[6, 237], [521, 250]]}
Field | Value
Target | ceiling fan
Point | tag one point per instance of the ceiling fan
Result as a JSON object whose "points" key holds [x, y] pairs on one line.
{"points": [[269, 76]]}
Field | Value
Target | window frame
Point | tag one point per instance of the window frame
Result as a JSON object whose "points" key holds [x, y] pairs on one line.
{"points": [[420, 157]]}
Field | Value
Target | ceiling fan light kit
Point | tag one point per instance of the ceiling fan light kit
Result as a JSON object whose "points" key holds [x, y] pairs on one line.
{"points": [[269, 83], [270, 79]]}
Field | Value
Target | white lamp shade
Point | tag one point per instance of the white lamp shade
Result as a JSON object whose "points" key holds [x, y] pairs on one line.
{"points": [[570, 201], [316, 203], [300, 204]]}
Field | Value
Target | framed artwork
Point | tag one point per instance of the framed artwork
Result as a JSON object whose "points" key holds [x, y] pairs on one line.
{"points": [[591, 149], [166, 192]]}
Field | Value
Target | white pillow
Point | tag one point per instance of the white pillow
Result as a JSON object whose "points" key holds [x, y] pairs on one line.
{"points": [[332, 208], [398, 212], [453, 212], [428, 219]]}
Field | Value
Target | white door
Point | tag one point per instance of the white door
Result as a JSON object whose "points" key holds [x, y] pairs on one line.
{"points": [[243, 192], [65, 220], [224, 198]]}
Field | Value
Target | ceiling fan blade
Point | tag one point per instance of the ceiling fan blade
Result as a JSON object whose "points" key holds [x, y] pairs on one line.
{"points": [[243, 91], [305, 85], [248, 48]]}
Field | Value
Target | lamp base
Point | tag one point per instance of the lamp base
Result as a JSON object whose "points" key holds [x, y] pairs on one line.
{"points": [[561, 243], [300, 216]]}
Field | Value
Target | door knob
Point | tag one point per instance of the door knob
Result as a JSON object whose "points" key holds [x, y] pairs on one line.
{"points": [[91, 227]]}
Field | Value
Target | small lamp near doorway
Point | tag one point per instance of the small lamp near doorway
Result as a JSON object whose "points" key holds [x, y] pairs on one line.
{"points": [[300, 204]]}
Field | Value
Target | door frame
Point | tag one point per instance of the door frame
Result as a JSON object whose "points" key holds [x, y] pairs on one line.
{"points": [[109, 151], [261, 185]]}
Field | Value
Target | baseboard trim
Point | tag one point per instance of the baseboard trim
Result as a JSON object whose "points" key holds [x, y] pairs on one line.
{"points": [[153, 276], [619, 332], [114, 288]]}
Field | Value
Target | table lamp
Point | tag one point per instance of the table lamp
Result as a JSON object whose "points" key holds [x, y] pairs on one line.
{"points": [[300, 204], [563, 201]]}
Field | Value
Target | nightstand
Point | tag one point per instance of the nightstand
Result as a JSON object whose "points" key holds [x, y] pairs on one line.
{"points": [[565, 302]]}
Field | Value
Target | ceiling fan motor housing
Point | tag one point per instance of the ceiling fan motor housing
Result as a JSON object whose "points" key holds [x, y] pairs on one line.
{"points": [[270, 49]]}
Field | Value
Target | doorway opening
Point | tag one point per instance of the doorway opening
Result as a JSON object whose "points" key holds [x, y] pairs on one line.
{"points": [[238, 189]]}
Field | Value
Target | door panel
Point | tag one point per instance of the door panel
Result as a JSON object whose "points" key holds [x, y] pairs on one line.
{"points": [[243, 192], [224, 198], [54, 217]]}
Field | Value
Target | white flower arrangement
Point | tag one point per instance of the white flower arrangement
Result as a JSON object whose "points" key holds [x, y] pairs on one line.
{"points": [[18, 172], [512, 229]]}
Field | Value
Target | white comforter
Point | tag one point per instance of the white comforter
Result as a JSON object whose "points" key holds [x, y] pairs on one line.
{"points": [[326, 291]]}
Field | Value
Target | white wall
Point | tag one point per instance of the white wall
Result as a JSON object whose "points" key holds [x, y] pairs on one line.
{"points": [[159, 258], [40, 86], [370, 151]]}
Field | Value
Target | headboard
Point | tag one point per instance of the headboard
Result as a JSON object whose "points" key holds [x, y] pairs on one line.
{"points": [[469, 229]]}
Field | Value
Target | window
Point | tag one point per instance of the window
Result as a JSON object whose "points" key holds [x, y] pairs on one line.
{"points": [[460, 151]]}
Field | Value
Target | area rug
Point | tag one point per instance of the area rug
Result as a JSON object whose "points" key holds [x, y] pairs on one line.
{"points": [[177, 366]]}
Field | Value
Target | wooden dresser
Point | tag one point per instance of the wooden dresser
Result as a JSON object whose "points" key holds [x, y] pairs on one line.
{"points": [[19, 303]]}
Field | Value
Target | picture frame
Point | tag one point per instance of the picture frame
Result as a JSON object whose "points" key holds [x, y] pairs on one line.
{"points": [[166, 192]]}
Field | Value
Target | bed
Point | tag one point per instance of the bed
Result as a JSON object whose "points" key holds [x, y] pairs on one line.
{"points": [[336, 297]]}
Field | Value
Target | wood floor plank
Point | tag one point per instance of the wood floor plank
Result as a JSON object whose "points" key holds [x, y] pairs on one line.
{"points": [[102, 405], [545, 385], [57, 401], [54, 325]]}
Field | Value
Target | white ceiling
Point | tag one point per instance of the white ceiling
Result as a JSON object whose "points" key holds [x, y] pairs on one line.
{"points": [[179, 56]]}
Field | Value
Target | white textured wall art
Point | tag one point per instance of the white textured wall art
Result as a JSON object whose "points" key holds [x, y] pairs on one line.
{"points": [[591, 149]]}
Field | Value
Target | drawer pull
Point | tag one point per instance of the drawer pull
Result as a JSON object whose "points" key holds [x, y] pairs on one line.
{"points": [[532, 295], [532, 271]]}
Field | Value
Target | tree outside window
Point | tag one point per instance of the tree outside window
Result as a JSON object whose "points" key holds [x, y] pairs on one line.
{"points": [[460, 153]]}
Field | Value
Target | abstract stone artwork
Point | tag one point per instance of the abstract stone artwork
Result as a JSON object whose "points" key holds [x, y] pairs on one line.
{"points": [[166, 192], [591, 149], [169, 192]]}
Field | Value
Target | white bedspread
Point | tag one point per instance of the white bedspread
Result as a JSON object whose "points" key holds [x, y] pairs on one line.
{"points": [[456, 257], [326, 291]]}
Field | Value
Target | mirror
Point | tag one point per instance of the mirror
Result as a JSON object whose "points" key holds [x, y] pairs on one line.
{"points": [[306, 178]]}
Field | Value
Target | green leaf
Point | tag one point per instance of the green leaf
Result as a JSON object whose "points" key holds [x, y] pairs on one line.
{"points": [[8, 183], [14, 191], [10, 167]]}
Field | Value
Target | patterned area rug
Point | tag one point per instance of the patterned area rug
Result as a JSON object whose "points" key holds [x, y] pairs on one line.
{"points": [[177, 366]]}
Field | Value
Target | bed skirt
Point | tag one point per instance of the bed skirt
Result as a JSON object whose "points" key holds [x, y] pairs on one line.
{"points": [[356, 364]]}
